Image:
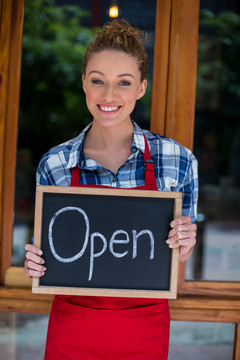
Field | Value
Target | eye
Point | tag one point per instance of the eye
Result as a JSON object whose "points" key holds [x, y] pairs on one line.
{"points": [[97, 82], [124, 83]]}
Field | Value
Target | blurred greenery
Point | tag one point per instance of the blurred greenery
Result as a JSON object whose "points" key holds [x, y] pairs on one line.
{"points": [[217, 125], [52, 105], [53, 108], [54, 44], [218, 78]]}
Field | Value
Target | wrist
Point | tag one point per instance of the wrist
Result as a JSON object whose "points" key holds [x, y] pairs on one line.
{"points": [[186, 256]]}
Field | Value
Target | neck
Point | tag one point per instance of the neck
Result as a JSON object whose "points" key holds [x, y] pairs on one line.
{"points": [[112, 137]]}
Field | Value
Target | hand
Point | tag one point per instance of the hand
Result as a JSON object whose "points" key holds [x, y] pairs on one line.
{"points": [[33, 265], [182, 235]]}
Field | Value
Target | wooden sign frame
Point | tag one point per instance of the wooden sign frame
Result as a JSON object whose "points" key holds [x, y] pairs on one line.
{"points": [[168, 294]]}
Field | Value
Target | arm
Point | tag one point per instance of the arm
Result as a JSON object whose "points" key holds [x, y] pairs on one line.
{"points": [[183, 233]]}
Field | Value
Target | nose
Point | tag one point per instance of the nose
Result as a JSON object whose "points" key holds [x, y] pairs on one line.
{"points": [[110, 93]]}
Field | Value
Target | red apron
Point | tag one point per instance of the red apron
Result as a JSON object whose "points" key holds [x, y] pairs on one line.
{"points": [[109, 328]]}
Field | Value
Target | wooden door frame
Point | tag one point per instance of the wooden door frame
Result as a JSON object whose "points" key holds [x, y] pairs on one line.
{"points": [[173, 109], [10, 48]]}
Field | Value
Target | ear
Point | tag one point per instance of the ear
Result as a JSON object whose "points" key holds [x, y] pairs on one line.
{"points": [[83, 82], [142, 89]]}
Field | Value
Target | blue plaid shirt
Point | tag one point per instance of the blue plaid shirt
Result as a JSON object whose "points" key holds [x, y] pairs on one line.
{"points": [[175, 167]]}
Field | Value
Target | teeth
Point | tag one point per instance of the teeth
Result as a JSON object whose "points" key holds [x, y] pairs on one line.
{"points": [[109, 108]]}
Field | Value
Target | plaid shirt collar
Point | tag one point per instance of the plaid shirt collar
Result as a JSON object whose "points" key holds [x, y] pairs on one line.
{"points": [[77, 157]]}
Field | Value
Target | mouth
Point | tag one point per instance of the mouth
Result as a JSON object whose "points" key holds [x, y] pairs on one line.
{"points": [[109, 109]]}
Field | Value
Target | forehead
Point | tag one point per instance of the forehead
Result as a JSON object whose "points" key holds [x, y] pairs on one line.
{"points": [[113, 61]]}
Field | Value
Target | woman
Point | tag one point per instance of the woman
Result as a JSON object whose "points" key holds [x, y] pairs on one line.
{"points": [[113, 151]]}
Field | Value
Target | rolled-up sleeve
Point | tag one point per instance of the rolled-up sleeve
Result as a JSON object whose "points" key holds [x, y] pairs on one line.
{"points": [[190, 189]]}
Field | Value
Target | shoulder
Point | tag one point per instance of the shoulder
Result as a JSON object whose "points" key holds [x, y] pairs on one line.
{"points": [[167, 147], [60, 153], [54, 165], [173, 162]]}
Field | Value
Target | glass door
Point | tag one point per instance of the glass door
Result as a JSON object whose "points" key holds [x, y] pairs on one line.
{"points": [[217, 145]]}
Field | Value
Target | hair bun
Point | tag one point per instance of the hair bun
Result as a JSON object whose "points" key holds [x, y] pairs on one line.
{"points": [[121, 36]]}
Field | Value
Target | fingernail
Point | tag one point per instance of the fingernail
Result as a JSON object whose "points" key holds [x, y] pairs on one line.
{"points": [[168, 241], [40, 252], [45, 268]]}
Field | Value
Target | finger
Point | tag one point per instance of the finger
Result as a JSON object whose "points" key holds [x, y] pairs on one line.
{"points": [[181, 239], [34, 249], [33, 266], [35, 258], [183, 228], [31, 269], [182, 244], [189, 243], [26, 272], [180, 235], [33, 273], [181, 220]]}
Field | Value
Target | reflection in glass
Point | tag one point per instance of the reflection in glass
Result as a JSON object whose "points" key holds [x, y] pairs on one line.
{"points": [[52, 104], [22, 336], [197, 340], [217, 148]]}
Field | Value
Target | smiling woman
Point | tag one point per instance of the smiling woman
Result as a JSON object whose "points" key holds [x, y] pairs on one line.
{"points": [[113, 151]]}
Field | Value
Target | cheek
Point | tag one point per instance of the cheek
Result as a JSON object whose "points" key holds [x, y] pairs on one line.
{"points": [[90, 101], [131, 97], [90, 96]]}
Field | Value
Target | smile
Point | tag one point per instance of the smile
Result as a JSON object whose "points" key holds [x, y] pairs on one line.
{"points": [[109, 108]]}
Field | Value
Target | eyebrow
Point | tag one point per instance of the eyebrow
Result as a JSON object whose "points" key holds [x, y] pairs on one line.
{"points": [[126, 75], [95, 71], [99, 72]]}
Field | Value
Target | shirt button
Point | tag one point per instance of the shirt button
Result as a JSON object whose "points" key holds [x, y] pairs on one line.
{"points": [[114, 180], [134, 149]]}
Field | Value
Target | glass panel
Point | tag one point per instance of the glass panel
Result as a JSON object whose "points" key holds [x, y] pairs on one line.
{"points": [[22, 336], [196, 340], [217, 145], [52, 103]]}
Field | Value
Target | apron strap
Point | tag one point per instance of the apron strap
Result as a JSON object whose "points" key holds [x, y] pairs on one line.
{"points": [[75, 176], [150, 182]]}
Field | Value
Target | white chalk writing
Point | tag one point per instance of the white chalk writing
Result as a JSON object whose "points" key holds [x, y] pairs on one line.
{"points": [[113, 241], [50, 238]]}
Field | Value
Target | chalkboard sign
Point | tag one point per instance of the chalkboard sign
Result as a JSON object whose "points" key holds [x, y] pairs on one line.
{"points": [[106, 242]]}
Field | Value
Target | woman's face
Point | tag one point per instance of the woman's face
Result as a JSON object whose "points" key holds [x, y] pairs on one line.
{"points": [[112, 85]]}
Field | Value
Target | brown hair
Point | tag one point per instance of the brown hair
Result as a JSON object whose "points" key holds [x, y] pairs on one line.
{"points": [[121, 36]]}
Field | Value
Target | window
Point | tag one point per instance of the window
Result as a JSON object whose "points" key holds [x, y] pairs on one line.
{"points": [[52, 102], [217, 146]]}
